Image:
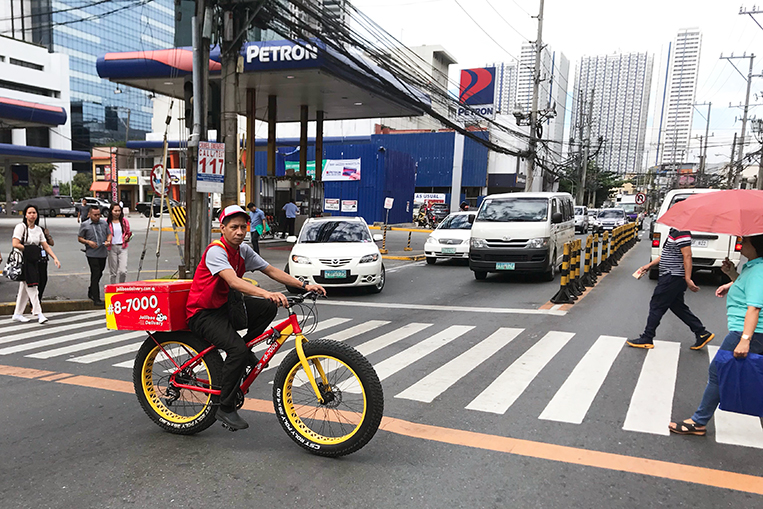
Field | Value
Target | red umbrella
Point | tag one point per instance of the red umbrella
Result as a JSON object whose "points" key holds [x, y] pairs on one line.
{"points": [[733, 212]]}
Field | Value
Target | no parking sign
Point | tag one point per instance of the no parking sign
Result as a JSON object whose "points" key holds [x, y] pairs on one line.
{"points": [[640, 199]]}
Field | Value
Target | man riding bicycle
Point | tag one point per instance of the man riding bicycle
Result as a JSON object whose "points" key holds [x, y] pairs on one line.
{"points": [[221, 268]]}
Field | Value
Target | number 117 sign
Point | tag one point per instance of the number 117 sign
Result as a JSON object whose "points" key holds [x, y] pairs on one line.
{"points": [[210, 174]]}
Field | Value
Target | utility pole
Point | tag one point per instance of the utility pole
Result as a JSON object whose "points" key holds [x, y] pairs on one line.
{"points": [[749, 77], [586, 150], [703, 148], [229, 56], [197, 232], [730, 177], [533, 145]]}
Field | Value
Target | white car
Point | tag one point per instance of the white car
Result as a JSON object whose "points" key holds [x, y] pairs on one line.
{"points": [[451, 238], [581, 219], [609, 219], [337, 252]]}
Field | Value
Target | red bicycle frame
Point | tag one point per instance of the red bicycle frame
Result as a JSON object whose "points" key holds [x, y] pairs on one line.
{"points": [[278, 334]]}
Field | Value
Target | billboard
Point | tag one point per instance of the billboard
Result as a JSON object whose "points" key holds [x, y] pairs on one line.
{"points": [[341, 170], [477, 90]]}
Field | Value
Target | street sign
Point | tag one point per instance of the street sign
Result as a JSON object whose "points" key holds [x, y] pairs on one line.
{"points": [[156, 180], [388, 203], [640, 199], [210, 174]]}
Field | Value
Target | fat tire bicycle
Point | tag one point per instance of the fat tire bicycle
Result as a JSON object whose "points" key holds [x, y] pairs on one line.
{"points": [[326, 395]]}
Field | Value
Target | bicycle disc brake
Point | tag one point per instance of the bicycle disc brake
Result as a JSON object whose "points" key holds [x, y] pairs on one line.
{"points": [[332, 396]]}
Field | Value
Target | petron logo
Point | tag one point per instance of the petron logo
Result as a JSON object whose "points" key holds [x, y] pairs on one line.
{"points": [[477, 92], [281, 53], [477, 86]]}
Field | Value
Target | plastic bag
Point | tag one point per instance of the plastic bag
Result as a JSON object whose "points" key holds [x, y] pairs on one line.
{"points": [[740, 382]]}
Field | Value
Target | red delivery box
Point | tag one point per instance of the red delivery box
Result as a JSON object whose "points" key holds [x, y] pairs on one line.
{"points": [[153, 305]]}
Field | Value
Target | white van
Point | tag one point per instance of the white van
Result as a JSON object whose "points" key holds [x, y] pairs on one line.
{"points": [[521, 232], [708, 250]]}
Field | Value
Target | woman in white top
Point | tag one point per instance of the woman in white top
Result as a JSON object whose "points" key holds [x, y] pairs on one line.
{"points": [[119, 227], [29, 238]]}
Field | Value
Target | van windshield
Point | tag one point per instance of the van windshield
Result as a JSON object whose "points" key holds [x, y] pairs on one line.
{"points": [[512, 210]]}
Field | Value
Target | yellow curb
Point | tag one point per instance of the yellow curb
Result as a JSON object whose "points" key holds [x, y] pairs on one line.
{"points": [[394, 229], [413, 258]]}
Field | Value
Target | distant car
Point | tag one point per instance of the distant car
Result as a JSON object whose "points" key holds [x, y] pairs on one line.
{"points": [[102, 204], [610, 219], [581, 219], [337, 252], [451, 238], [147, 208], [593, 221], [440, 211]]}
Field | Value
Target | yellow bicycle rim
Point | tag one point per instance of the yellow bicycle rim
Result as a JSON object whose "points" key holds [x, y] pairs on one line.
{"points": [[341, 421], [154, 397]]}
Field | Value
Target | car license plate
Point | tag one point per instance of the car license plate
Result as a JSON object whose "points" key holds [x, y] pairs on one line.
{"points": [[335, 274], [698, 243], [449, 250], [504, 266]]}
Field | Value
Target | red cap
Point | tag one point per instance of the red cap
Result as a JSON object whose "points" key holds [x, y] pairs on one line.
{"points": [[232, 210]]}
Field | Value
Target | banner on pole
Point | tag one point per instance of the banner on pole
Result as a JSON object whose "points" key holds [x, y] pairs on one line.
{"points": [[210, 174]]}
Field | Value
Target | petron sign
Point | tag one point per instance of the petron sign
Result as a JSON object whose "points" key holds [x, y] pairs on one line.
{"points": [[477, 91], [272, 55]]}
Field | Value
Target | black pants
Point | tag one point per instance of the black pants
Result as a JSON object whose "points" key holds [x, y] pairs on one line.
{"points": [[255, 241], [290, 224], [96, 271], [213, 326], [669, 294]]}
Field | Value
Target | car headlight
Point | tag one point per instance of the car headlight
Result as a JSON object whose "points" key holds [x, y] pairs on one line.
{"points": [[538, 243], [431, 240], [300, 259], [478, 243], [369, 258]]}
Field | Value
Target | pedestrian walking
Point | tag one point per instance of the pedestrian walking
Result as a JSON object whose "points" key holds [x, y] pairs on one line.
{"points": [[29, 238], [291, 211], [95, 235], [744, 299], [44, 261], [257, 225], [119, 228], [674, 278], [82, 210]]}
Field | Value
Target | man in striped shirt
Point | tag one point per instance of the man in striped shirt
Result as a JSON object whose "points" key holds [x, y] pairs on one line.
{"points": [[675, 277]]}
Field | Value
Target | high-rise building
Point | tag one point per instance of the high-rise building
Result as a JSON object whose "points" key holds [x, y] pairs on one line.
{"points": [[621, 84], [678, 103], [99, 109], [515, 90]]}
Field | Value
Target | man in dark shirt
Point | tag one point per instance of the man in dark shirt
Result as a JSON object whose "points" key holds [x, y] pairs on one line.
{"points": [[95, 235], [675, 277]]}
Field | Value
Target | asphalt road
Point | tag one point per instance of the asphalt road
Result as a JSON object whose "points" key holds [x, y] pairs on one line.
{"points": [[506, 424]]}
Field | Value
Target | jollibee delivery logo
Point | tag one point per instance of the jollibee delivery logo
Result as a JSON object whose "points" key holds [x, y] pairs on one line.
{"points": [[477, 86]]}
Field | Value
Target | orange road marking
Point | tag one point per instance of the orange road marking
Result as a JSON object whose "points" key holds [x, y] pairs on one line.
{"points": [[527, 448], [54, 377]]}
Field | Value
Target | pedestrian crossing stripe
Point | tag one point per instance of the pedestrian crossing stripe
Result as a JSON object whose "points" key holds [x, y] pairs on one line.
{"points": [[649, 409]]}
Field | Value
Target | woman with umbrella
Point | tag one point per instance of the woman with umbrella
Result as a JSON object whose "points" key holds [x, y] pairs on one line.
{"points": [[735, 212], [29, 238]]}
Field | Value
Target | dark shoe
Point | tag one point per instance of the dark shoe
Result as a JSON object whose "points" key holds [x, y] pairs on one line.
{"points": [[231, 419], [98, 303], [702, 340], [640, 343]]}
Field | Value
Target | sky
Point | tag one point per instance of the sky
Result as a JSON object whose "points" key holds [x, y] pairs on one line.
{"points": [[597, 27]]}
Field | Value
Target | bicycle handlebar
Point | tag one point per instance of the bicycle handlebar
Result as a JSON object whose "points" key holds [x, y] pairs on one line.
{"points": [[298, 299]]}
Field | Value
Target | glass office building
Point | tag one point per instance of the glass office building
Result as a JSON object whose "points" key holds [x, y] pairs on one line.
{"points": [[85, 30]]}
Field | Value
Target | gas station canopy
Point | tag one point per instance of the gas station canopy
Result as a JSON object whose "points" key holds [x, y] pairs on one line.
{"points": [[15, 113], [25, 154], [297, 74]]}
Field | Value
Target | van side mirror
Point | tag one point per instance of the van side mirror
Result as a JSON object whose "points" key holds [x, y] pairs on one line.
{"points": [[470, 218], [557, 217]]}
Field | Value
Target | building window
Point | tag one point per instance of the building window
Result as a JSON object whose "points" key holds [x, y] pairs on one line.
{"points": [[24, 63]]}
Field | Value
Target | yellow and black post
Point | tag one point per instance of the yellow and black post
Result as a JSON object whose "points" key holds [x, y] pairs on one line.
{"points": [[596, 268], [613, 244], [408, 247], [383, 249], [587, 279], [605, 245], [564, 296], [577, 287]]}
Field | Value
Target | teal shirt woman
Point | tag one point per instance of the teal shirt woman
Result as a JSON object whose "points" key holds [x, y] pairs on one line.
{"points": [[744, 299]]}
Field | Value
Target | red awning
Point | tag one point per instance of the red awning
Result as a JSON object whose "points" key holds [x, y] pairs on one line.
{"points": [[100, 185]]}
